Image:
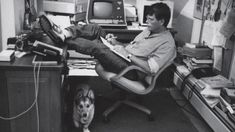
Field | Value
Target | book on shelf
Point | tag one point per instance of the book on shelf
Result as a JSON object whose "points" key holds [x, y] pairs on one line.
{"points": [[217, 81], [202, 61], [190, 51], [7, 55], [191, 65]]}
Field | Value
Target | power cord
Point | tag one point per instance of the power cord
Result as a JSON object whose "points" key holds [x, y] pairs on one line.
{"points": [[183, 85], [35, 102], [183, 106], [36, 85]]}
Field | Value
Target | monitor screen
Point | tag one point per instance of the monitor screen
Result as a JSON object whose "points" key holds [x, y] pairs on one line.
{"points": [[146, 9], [106, 12], [102, 9]]}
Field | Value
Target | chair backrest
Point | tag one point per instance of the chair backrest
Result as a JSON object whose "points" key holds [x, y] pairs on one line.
{"points": [[137, 87]]}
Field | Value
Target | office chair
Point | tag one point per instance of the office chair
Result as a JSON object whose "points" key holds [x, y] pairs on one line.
{"points": [[136, 87]]}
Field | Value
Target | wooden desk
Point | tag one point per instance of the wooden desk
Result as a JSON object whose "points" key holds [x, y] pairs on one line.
{"points": [[17, 93]]}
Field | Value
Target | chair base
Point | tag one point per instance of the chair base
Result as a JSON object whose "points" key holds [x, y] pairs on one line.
{"points": [[108, 111]]}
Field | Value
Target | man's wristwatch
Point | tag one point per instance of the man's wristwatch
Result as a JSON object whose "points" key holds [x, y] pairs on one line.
{"points": [[129, 56]]}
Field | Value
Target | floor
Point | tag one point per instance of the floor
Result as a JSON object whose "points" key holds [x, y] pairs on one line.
{"points": [[191, 113]]}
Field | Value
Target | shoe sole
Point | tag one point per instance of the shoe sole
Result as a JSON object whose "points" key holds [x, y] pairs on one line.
{"points": [[47, 27]]}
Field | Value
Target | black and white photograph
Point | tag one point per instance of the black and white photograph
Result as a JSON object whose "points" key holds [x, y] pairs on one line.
{"points": [[117, 66]]}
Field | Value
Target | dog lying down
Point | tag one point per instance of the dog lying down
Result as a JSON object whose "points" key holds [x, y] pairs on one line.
{"points": [[83, 107]]}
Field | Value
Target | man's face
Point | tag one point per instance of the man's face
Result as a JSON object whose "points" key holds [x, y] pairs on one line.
{"points": [[153, 24]]}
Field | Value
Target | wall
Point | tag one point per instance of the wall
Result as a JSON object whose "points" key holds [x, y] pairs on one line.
{"points": [[7, 21], [19, 15], [0, 29], [184, 23], [11, 21], [232, 70], [188, 28], [133, 2]]}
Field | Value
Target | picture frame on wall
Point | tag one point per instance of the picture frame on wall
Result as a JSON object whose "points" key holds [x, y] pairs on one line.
{"points": [[198, 9]]}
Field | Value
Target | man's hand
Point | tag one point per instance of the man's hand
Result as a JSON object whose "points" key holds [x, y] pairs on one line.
{"points": [[111, 39]]}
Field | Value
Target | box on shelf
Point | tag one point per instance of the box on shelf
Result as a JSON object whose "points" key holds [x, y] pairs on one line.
{"points": [[74, 7]]}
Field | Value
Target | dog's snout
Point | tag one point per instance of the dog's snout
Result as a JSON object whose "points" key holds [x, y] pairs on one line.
{"points": [[84, 114]]}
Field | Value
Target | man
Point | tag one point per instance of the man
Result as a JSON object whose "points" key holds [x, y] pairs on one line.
{"points": [[151, 49]]}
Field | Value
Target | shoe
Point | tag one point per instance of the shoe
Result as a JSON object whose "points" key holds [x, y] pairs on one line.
{"points": [[52, 30]]}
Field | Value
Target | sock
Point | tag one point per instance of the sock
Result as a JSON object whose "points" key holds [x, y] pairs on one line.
{"points": [[67, 33]]}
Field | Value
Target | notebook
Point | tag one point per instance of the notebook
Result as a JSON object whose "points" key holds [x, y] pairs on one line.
{"points": [[111, 47]]}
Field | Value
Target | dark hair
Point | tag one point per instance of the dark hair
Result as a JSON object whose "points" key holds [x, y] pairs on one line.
{"points": [[161, 11]]}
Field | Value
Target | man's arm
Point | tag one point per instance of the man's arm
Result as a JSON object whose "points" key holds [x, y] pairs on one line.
{"points": [[112, 40], [157, 59], [135, 60], [139, 62]]}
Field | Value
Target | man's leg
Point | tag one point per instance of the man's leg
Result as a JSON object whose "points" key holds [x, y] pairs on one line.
{"points": [[104, 55], [90, 31]]}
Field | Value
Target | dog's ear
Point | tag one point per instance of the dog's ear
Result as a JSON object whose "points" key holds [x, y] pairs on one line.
{"points": [[91, 95]]}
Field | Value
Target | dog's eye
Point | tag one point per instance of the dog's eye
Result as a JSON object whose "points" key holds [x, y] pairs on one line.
{"points": [[81, 106], [87, 105]]}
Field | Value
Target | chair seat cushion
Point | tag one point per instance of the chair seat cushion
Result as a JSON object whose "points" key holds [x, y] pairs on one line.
{"points": [[130, 85], [103, 73]]}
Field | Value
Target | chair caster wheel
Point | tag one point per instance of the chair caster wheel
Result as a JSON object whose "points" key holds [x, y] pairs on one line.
{"points": [[106, 119], [150, 117]]}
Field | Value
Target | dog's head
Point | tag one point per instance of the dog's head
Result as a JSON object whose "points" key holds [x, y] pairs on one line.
{"points": [[84, 103]]}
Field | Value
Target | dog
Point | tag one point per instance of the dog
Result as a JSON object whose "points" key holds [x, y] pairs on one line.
{"points": [[83, 107]]}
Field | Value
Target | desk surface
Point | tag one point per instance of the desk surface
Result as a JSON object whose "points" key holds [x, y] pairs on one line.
{"points": [[26, 63]]}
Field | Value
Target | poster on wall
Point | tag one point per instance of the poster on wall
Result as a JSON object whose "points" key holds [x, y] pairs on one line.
{"points": [[209, 9], [198, 9]]}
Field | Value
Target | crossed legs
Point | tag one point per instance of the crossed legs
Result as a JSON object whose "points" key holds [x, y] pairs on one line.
{"points": [[84, 39]]}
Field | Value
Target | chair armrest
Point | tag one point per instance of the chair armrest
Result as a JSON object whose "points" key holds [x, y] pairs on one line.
{"points": [[129, 68]]}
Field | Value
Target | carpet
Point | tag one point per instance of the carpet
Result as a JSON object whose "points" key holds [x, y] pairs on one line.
{"points": [[168, 116]]}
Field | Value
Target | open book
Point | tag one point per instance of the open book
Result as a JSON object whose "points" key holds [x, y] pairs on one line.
{"points": [[111, 47]]}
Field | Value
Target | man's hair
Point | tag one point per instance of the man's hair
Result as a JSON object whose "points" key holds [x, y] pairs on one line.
{"points": [[161, 11]]}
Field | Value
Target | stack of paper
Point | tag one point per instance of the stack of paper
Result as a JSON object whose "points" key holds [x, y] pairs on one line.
{"points": [[202, 61], [7, 55], [212, 88], [217, 81], [112, 48]]}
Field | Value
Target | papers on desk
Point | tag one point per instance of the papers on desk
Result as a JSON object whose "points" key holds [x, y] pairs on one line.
{"points": [[183, 70], [212, 88], [217, 81], [212, 102], [81, 67], [82, 72], [210, 95], [60, 20], [7, 55], [76, 55]]}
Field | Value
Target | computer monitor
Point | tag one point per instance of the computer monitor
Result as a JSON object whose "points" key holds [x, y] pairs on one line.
{"points": [[143, 5], [106, 12]]}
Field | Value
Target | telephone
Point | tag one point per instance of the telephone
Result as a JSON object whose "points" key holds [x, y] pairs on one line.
{"points": [[44, 49], [47, 51], [203, 72], [199, 73]]}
